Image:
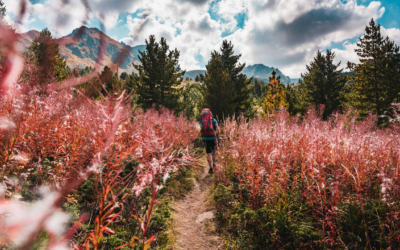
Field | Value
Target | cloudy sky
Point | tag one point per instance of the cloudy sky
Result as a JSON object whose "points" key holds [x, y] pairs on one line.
{"points": [[278, 33]]}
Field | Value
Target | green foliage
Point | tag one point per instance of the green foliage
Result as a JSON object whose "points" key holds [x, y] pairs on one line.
{"points": [[258, 92], [292, 99], [258, 88], [159, 76], [363, 226], [108, 79], [275, 97], [226, 91], [191, 97], [197, 78], [323, 84], [283, 223], [123, 76], [218, 91], [3, 10], [377, 80], [48, 59]]}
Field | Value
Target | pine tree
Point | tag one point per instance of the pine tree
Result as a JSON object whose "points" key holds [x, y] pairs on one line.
{"points": [[47, 56], [323, 83], [275, 96], [377, 76], [123, 75], [197, 78], [108, 79], [242, 85], [159, 76], [218, 91], [257, 88], [292, 99], [226, 90]]}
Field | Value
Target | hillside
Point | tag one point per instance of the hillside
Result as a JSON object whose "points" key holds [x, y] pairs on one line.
{"points": [[27, 38], [84, 52], [262, 72], [193, 73]]}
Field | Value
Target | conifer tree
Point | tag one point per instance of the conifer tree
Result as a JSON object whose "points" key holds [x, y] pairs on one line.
{"points": [[323, 83], [377, 76], [226, 90], [47, 56], [159, 75], [108, 79], [257, 88], [292, 99], [242, 85], [123, 75], [275, 96], [218, 91], [197, 78]]}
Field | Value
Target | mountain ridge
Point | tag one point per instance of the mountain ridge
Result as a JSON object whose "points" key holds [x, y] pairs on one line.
{"points": [[258, 71], [263, 73], [84, 52]]}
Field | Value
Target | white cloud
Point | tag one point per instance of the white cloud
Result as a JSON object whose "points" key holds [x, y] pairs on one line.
{"points": [[283, 34], [189, 29], [347, 54], [288, 38], [393, 33], [60, 18]]}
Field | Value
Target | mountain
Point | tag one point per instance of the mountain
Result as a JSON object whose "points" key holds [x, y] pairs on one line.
{"points": [[259, 71], [349, 73], [25, 39], [295, 80], [262, 72], [193, 73], [84, 51]]}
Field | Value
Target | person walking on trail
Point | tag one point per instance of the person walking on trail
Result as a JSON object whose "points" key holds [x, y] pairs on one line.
{"points": [[209, 131]]}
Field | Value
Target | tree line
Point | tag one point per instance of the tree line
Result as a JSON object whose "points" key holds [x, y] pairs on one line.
{"points": [[371, 86]]}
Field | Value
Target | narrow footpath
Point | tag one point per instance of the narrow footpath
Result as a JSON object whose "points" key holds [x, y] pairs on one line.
{"points": [[194, 224]]}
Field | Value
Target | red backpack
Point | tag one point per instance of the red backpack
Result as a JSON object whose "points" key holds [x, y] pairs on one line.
{"points": [[206, 123]]}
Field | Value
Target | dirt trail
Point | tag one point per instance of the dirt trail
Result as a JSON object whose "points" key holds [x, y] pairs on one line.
{"points": [[194, 225]]}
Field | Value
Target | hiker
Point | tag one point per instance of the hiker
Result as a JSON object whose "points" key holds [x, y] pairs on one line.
{"points": [[209, 131]]}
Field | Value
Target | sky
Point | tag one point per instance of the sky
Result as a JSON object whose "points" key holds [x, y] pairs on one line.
{"points": [[284, 34]]}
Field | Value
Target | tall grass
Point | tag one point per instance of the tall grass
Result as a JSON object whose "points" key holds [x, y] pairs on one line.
{"points": [[341, 175], [82, 173]]}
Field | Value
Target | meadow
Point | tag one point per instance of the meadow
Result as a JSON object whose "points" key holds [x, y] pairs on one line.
{"points": [[92, 173], [286, 183], [91, 160]]}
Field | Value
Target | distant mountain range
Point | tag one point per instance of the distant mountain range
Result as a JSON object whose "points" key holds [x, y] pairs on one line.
{"points": [[262, 72], [259, 71], [193, 73], [84, 52]]}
